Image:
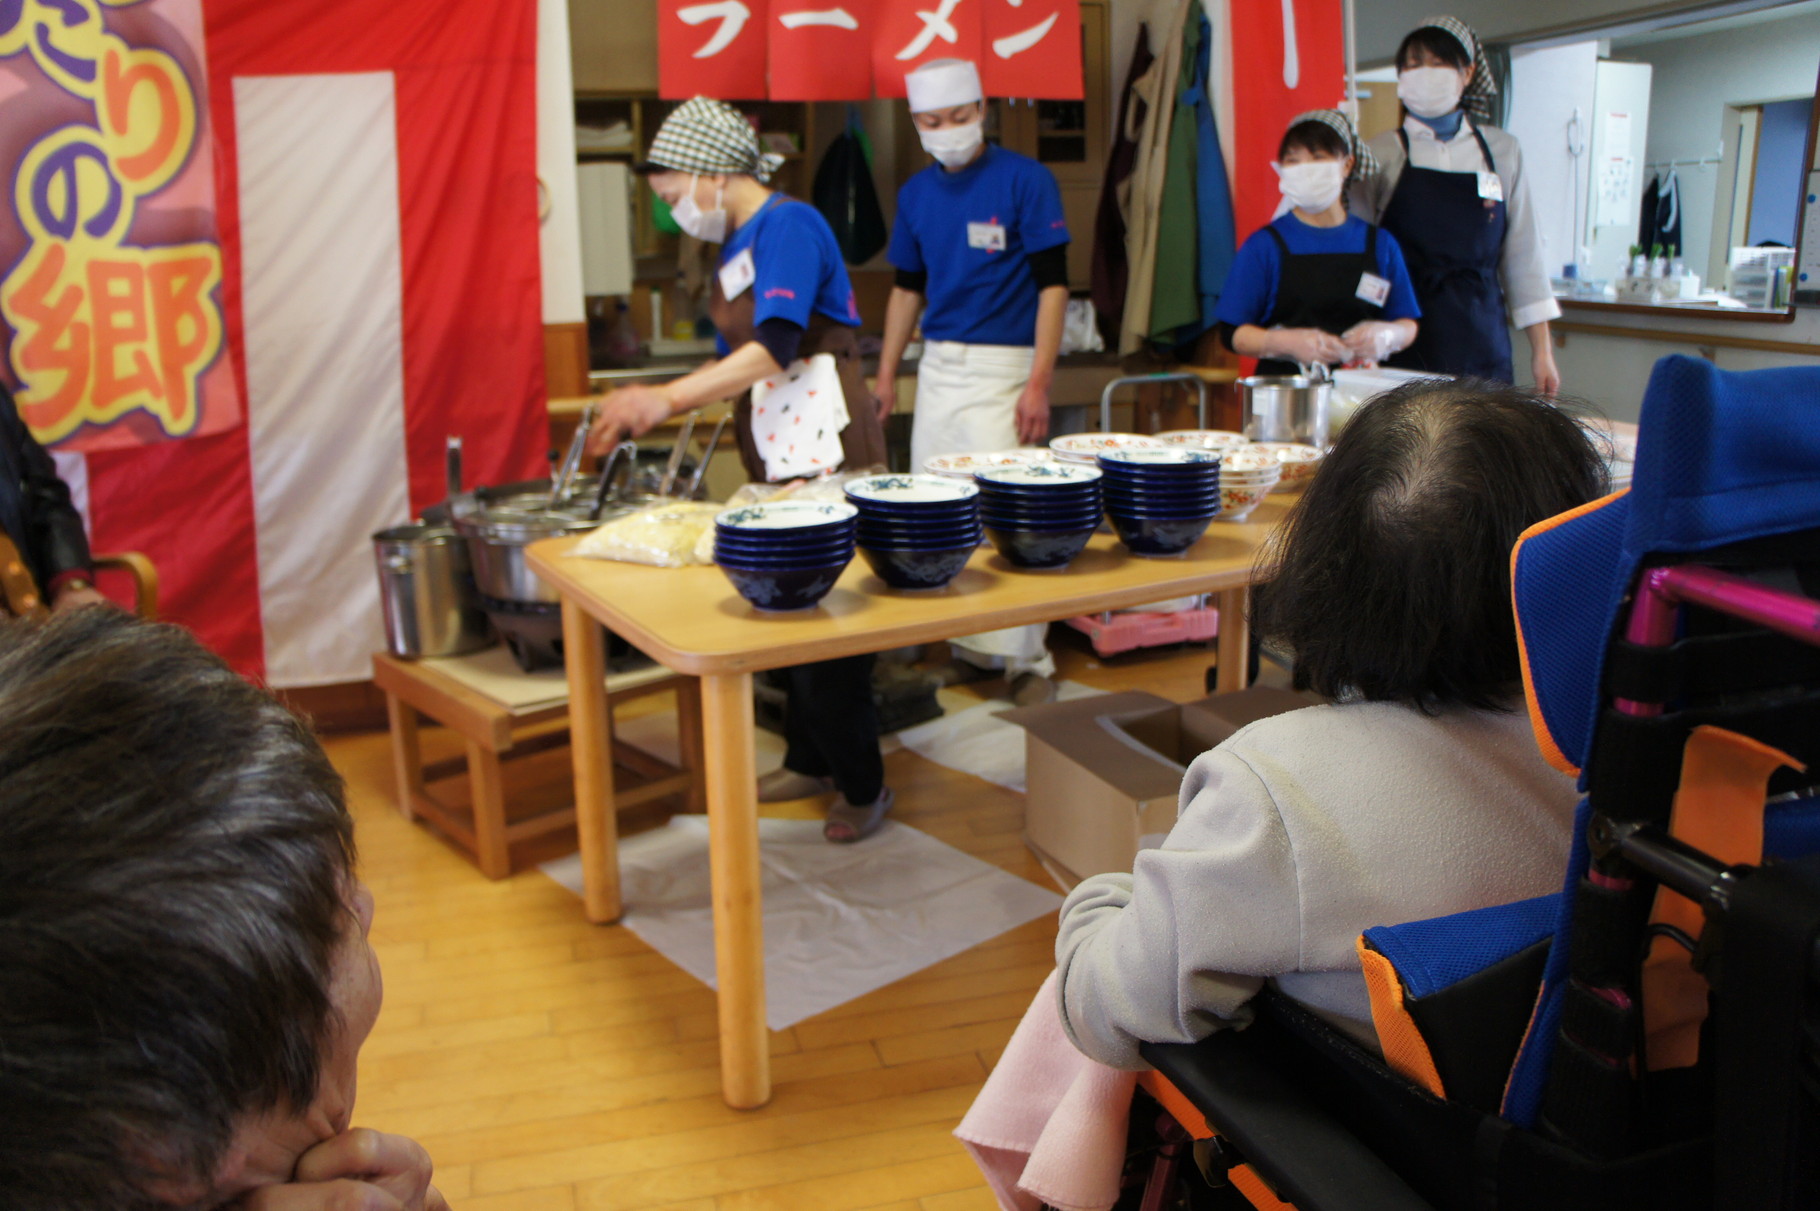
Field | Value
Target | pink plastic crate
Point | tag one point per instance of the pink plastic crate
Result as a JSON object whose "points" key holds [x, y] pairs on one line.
{"points": [[1115, 633]]}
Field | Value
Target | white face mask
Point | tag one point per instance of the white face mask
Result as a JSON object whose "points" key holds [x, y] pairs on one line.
{"points": [[709, 225], [954, 145], [1313, 184], [1430, 92]]}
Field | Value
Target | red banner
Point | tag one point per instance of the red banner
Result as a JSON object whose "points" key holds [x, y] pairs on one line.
{"points": [[1278, 72], [111, 296], [712, 48], [820, 50], [1033, 49], [912, 32]]}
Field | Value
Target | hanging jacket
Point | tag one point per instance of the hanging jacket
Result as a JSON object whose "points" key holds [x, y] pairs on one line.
{"points": [[1646, 217], [1156, 88], [1668, 214], [1111, 265]]}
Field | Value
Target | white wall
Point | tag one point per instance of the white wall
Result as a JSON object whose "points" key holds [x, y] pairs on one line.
{"points": [[560, 234], [1549, 87], [1695, 78]]}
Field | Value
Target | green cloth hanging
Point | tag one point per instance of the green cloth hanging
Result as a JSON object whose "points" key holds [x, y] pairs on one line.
{"points": [[1175, 300]]}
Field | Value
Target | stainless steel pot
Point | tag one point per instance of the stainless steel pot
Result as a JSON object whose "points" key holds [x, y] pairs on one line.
{"points": [[427, 593], [1288, 408], [499, 523]]}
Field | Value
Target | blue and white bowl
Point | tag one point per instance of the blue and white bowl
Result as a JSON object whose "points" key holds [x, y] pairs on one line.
{"points": [[784, 588], [909, 568], [787, 520], [911, 495], [1161, 500]]}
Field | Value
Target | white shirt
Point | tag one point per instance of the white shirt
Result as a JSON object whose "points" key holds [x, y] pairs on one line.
{"points": [[1521, 270]]}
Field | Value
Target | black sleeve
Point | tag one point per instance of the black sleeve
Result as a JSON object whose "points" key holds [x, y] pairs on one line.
{"points": [[915, 283], [1050, 266], [1226, 330], [54, 541], [780, 337]]}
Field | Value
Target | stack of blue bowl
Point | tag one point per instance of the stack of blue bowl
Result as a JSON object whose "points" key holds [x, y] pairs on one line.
{"points": [[785, 555], [1160, 501], [1041, 515], [917, 531]]}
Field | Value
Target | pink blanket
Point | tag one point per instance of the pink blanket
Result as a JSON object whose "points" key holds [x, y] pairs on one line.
{"points": [[1049, 1125]]}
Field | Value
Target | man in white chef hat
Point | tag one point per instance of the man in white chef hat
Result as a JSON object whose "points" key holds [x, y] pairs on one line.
{"points": [[980, 247]]}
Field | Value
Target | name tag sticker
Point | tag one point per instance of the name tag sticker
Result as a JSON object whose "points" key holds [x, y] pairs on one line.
{"points": [[1373, 289], [990, 236], [1490, 187], [737, 275]]}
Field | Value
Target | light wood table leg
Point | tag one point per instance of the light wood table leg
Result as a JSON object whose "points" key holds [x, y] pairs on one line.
{"points": [[1235, 641], [407, 753], [688, 741], [739, 933], [486, 788], [591, 751]]}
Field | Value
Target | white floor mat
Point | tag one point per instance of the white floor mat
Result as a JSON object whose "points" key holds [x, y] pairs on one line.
{"points": [[975, 741], [840, 920]]}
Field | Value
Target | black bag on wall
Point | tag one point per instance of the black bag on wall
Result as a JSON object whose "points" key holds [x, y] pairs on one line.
{"points": [[844, 193]]}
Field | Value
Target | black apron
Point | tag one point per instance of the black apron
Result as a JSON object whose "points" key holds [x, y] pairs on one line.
{"points": [[1320, 290], [1453, 240]]}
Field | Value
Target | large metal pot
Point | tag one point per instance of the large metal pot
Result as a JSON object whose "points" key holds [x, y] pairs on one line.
{"points": [[499, 523], [427, 593], [1288, 408]]}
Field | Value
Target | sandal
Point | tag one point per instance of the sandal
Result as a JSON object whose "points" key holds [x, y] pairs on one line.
{"points": [[847, 824]]}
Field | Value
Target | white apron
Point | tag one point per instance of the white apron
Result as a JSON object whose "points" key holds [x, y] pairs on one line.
{"points": [[966, 402]]}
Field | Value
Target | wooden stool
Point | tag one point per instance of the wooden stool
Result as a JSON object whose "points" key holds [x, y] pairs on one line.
{"points": [[494, 733]]}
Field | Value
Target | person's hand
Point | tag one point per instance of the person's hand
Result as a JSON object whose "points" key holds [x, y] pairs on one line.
{"points": [[358, 1170], [1542, 368], [1371, 341], [76, 595], [884, 398], [1033, 415], [628, 412], [1308, 346]]}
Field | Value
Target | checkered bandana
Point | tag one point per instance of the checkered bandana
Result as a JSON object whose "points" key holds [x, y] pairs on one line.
{"points": [[706, 136], [1483, 86], [1364, 164]]}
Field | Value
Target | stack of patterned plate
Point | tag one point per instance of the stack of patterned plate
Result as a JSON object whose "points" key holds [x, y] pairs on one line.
{"points": [[962, 466], [785, 555], [1299, 460], [1246, 476], [917, 531], [1041, 515], [1160, 501], [1204, 439], [1085, 447]]}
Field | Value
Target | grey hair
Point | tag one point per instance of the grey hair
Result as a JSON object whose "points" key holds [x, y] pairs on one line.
{"points": [[175, 862]]}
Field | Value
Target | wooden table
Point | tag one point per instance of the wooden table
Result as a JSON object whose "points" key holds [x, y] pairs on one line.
{"points": [[691, 620]]}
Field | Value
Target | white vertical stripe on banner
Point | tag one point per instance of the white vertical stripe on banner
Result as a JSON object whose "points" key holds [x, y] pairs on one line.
{"points": [[323, 289]]}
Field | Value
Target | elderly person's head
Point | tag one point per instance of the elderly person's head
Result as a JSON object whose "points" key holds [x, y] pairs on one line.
{"points": [[185, 979], [1393, 572]]}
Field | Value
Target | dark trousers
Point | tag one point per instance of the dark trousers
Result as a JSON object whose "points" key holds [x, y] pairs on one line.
{"points": [[831, 727]]}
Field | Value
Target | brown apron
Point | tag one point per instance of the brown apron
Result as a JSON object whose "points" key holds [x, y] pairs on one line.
{"points": [[863, 440]]}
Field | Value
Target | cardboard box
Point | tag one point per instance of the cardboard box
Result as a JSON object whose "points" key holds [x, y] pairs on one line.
{"points": [[1103, 773]]}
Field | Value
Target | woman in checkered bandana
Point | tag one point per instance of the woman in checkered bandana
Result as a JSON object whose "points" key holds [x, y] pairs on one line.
{"points": [[1453, 193], [784, 312]]}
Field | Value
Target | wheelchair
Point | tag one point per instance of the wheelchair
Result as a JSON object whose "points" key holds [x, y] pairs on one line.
{"points": [[1650, 1036]]}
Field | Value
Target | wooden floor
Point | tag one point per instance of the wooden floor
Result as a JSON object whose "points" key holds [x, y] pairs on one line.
{"points": [[548, 1064]]}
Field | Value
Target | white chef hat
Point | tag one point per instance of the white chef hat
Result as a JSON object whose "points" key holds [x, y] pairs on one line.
{"points": [[943, 84]]}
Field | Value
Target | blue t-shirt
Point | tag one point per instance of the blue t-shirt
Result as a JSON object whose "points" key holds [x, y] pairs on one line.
{"points": [[1250, 295], [797, 264], [972, 232]]}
